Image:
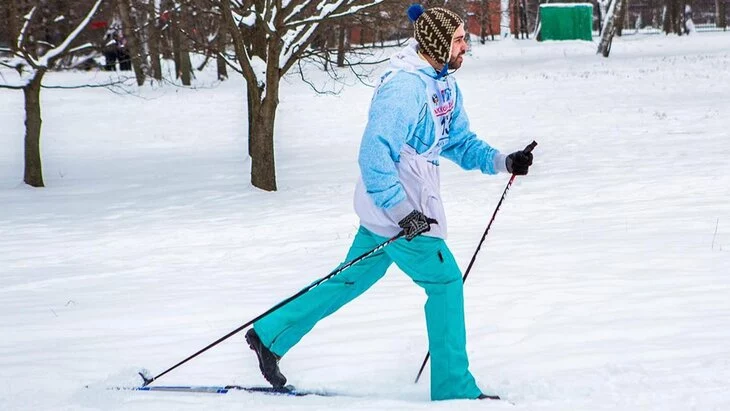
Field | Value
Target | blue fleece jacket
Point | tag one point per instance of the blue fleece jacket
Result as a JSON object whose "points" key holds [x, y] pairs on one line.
{"points": [[399, 115]]}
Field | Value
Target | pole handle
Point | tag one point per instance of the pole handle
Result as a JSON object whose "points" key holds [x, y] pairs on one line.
{"points": [[530, 147]]}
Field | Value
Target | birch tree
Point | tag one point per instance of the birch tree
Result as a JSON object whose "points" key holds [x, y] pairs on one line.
{"points": [[32, 58], [613, 12], [270, 37]]}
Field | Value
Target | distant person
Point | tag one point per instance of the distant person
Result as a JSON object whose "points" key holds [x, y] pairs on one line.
{"points": [[125, 60], [689, 25], [109, 50], [416, 116]]}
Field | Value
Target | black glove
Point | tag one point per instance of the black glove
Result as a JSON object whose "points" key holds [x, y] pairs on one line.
{"points": [[518, 162], [415, 223]]}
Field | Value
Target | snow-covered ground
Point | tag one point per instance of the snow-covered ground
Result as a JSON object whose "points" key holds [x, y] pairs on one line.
{"points": [[603, 285]]}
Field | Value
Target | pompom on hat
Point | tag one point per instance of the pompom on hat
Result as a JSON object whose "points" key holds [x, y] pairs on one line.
{"points": [[434, 29]]}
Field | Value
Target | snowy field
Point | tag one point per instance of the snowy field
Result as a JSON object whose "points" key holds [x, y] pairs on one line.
{"points": [[603, 285]]}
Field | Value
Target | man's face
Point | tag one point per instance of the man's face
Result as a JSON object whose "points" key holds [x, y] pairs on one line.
{"points": [[458, 48]]}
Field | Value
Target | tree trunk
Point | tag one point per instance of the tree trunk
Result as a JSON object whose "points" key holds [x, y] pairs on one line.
{"points": [[515, 18], [261, 139], [33, 175], [523, 19], [174, 34], [620, 20], [482, 23], [133, 45], [220, 62], [341, 46], [505, 19], [186, 66], [166, 37], [153, 42], [609, 27], [671, 17], [250, 105], [720, 11], [678, 12]]}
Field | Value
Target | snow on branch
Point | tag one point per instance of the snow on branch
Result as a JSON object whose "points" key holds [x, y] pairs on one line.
{"points": [[21, 37], [81, 47], [249, 20], [301, 32], [295, 43], [63, 47], [296, 8], [243, 57], [341, 8]]}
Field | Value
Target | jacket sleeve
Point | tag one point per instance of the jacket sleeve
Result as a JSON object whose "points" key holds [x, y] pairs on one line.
{"points": [[393, 117], [465, 149]]}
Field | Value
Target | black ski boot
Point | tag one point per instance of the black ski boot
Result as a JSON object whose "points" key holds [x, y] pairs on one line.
{"points": [[268, 361]]}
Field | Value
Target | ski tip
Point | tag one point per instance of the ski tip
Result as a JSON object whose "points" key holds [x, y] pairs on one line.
{"points": [[147, 377]]}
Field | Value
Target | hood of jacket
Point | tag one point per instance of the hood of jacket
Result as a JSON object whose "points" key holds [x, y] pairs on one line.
{"points": [[408, 59]]}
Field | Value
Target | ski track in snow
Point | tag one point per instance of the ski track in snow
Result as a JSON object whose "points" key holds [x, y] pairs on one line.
{"points": [[603, 284]]}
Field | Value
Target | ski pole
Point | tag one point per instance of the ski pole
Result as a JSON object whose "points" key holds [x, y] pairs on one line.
{"points": [[527, 150], [303, 291]]}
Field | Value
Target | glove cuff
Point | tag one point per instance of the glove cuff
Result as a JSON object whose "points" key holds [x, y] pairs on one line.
{"points": [[500, 163]]}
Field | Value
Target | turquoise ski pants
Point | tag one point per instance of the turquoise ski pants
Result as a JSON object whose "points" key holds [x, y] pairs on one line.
{"points": [[428, 261]]}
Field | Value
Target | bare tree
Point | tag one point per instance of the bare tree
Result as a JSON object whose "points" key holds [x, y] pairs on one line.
{"points": [[613, 12], [153, 39], [270, 37], [134, 45], [672, 18], [220, 60], [33, 57], [484, 12]]}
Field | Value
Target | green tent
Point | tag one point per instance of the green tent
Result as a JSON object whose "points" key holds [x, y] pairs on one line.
{"points": [[566, 21]]}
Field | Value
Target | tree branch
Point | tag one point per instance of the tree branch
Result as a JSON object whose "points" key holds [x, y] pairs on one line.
{"points": [[241, 53], [104, 85], [23, 31], [335, 13], [305, 36], [8, 86], [20, 42], [61, 49]]}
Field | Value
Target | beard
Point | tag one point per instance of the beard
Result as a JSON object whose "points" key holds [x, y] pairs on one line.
{"points": [[455, 62]]}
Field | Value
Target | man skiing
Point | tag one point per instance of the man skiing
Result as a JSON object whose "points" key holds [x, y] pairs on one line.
{"points": [[416, 116]]}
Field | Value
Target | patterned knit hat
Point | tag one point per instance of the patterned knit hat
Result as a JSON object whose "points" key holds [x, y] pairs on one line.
{"points": [[433, 30]]}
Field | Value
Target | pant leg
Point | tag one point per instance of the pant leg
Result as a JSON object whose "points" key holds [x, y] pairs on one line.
{"points": [[283, 328], [428, 261]]}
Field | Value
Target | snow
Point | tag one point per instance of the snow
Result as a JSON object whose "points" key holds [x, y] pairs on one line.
{"points": [[258, 65], [568, 5], [293, 40], [249, 20], [603, 283]]}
